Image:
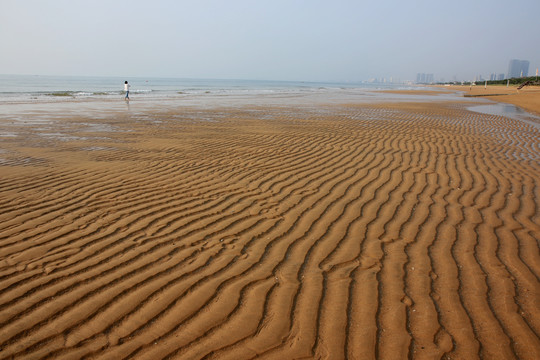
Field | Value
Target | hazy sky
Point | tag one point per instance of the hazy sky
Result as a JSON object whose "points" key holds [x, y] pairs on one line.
{"points": [[333, 40]]}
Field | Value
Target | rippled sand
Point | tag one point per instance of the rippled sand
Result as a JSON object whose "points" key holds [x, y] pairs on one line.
{"points": [[387, 231]]}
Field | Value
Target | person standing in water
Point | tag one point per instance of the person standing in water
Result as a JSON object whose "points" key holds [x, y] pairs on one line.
{"points": [[126, 89]]}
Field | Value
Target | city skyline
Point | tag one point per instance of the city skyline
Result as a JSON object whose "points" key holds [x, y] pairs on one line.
{"points": [[518, 68]]}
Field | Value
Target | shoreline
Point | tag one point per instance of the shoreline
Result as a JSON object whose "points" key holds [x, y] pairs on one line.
{"points": [[528, 98]]}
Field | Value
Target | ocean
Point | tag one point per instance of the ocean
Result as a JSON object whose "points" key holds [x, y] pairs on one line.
{"points": [[37, 88], [33, 100], [36, 99]]}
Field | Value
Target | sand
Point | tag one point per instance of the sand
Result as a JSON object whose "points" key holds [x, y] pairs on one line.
{"points": [[429, 92], [391, 231], [527, 98]]}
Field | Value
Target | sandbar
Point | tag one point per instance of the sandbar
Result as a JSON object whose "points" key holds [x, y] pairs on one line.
{"points": [[527, 98]]}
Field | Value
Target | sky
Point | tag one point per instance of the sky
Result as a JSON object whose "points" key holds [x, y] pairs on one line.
{"points": [[297, 40]]}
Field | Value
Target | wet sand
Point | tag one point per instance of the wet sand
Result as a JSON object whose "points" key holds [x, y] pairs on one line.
{"points": [[527, 98], [391, 231], [429, 92]]}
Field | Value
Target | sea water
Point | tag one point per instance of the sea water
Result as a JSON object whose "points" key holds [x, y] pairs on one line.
{"points": [[60, 88], [24, 96]]}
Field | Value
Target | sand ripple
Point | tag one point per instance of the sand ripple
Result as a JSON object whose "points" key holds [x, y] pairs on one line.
{"points": [[350, 232]]}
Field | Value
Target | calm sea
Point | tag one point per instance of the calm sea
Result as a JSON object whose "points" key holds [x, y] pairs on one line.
{"points": [[15, 88]]}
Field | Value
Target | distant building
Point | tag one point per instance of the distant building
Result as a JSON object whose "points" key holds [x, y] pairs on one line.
{"points": [[494, 76], [518, 68], [422, 78]]}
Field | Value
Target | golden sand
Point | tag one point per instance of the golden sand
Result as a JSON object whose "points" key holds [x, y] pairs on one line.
{"points": [[386, 231], [416, 92], [527, 98]]}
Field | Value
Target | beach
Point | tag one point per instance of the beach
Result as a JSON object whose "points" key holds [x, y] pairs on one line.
{"points": [[403, 228], [527, 97]]}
